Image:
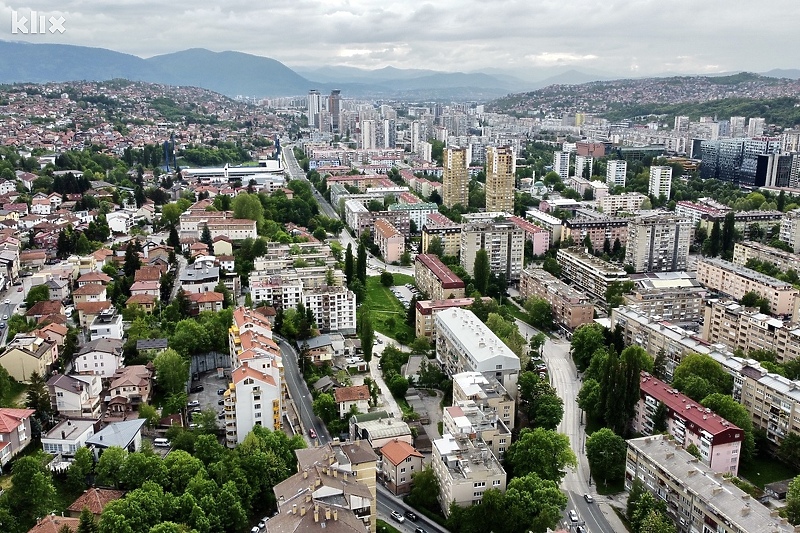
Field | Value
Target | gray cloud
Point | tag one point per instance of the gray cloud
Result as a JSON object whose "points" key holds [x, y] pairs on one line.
{"points": [[650, 36]]}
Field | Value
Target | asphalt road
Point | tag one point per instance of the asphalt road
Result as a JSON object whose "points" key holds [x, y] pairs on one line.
{"points": [[564, 377]]}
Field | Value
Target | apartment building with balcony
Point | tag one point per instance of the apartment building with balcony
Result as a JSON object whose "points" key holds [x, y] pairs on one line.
{"points": [[439, 226], [697, 498], [435, 279], [465, 344], [466, 418], [334, 308], [253, 398], [571, 308], [503, 241], [465, 468], [390, 242], [658, 243], [597, 228], [718, 440], [626, 202], [426, 310], [673, 296], [736, 281], [548, 222], [771, 400], [744, 251], [747, 329], [790, 229], [588, 273], [487, 393]]}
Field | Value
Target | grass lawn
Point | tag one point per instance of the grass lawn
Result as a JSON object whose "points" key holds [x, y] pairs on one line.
{"points": [[515, 312], [383, 527], [17, 395], [387, 313], [763, 469]]}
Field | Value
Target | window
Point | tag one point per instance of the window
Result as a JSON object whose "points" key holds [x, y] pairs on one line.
{"points": [[496, 483], [479, 484], [477, 494], [408, 459], [258, 415], [402, 470], [502, 441], [402, 480], [60, 394], [257, 406]]}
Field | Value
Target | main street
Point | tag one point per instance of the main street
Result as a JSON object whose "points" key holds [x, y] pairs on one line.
{"points": [[564, 377]]}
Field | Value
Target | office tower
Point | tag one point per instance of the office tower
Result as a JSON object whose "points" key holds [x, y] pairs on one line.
{"points": [[658, 243], [660, 181], [561, 164], [743, 161], [314, 108], [738, 126], [583, 162], [455, 177], [615, 172], [368, 134], [335, 108], [500, 170], [755, 127]]}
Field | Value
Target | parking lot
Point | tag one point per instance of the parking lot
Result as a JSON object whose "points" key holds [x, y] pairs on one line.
{"points": [[405, 293], [207, 398]]}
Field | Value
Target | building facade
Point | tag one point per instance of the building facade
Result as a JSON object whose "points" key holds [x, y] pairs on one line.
{"points": [[390, 242], [500, 178], [571, 308], [455, 177], [588, 273], [616, 172], [435, 279], [658, 243], [660, 181], [503, 241]]}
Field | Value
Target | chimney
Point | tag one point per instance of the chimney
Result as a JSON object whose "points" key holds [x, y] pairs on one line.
{"points": [[303, 511], [334, 472], [294, 508], [335, 514], [317, 482], [316, 512], [327, 513], [305, 474]]}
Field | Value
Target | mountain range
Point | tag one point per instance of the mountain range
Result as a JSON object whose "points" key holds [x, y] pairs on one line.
{"points": [[237, 73]]}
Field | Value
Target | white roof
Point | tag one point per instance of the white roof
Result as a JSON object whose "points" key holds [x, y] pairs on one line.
{"points": [[483, 349]]}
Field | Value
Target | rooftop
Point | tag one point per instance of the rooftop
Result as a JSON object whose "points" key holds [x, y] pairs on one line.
{"points": [[70, 429], [479, 342], [441, 271], [117, 434], [747, 273], [464, 456]]}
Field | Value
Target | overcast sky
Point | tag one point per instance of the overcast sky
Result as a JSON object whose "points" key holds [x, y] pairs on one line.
{"points": [[636, 37]]}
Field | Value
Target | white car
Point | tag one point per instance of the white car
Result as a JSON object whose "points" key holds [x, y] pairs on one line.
{"points": [[398, 517]]}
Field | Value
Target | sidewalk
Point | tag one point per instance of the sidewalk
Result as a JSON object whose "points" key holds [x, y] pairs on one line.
{"points": [[386, 399]]}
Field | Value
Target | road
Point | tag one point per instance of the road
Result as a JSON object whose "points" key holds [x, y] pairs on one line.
{"points": [[564, 377]]}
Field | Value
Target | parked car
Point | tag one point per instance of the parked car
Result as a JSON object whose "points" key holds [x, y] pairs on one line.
{"points": [[221, 401], [193, 403], [580, 529], [8, 301], [220, 392], [411, 516], [419, 530], [398, 517], [197, 388], [573, 516]]}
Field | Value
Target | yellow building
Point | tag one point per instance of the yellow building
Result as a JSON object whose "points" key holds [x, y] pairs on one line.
{"points": [[500, 169], [455, 177]]}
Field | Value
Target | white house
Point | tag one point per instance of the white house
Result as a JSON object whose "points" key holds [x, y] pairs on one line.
{"points": [[101, 357], [348, 397], [253, 399], [120, 221], [68, 436], [127, 435], [75, 396], [106, 325]]}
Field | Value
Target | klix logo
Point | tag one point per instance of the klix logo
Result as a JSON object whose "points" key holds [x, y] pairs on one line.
{"points": [[34, 22]]}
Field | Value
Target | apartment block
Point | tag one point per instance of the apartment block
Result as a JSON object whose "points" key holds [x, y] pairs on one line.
{"points": [[697, 498], [627, 202], [334, 308], [597, 228], [743, 220], [588, 273], [435, 279], [417, 212], [616, 170], [790, 229], [465, 344], [658, 243], [718, 441], [660, 181], [561, 164], [253, 398], [466, 418], [465, 468], [695, 211], [503, 241], [740, 328], [736, 281], [673, 296], [390, 241], [487, 394], [538, 236], [771, 400], [455, 177], [447, 231], [500, 178], [744, 251], [427, 310], [571, 308], [548, 222]]}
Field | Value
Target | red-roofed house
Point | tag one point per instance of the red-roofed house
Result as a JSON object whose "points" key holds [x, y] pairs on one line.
{"points": [[150, 288], [719, 441], [94, 277], [95, 499], [91, 292], [205, 301], [145, 302], [348, 397], [15, 432], [400, 461], [55, 524], [253, 398]]}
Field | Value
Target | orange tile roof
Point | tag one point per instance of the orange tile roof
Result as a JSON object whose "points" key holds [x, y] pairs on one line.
{"points": [[350, 394], [54, 524], [92, 308], [206, 297], [398, 451], [141, 299], [95, 499], [90, 289], [10, 419], [94, 277], [245, 371]]}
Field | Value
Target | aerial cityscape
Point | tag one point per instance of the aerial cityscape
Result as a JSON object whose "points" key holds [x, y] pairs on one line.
{"points": [[371, 267]]}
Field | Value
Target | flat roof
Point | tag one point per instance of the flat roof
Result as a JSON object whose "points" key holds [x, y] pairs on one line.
{"points": [[482, 346]]}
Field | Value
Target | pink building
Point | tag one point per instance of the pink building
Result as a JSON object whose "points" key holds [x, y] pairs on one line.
{"points": [[718, 441], [539, 236], [390, 241]]}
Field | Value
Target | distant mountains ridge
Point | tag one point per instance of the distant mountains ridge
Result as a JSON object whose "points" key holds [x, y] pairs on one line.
{"points": [[237, 73]]}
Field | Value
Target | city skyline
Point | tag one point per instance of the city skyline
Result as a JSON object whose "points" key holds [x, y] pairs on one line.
{"points": [[632, 40]]}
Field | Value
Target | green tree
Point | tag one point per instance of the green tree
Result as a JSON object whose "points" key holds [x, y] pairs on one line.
{"points": [[249, 206], [109, 467], [589, 398], [425, 490], [695, 367], [32, 493], [656, 522], [542, 404], [132, 260], [551, 265], [530, 504], [39, 293], [38, 397], [87, 523], [481, 272], [398, 385], [361, 263], [150, 415], [365, 332], [325, 407], [205, 238], [387, 279], [349, 264], [615, 291], [586, 340], [606, 452], [537, 343], [540, 313], [80, 469], [435, 247], [725, 406], [793, 501], [543, 452], [789, 450], [714, 241]]}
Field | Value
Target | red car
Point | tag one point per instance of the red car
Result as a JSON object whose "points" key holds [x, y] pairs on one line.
{"points": [[312, 433]]}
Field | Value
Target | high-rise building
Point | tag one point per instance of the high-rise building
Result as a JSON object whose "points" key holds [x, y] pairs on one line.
{"points": [[738, 126], [414, 136], [389, 133], [738, 160], [660, 181], [503, 241], [582, 163], [561, 164], [500, 171], [455, 177], [755, 127], [681, 124], [368, 134], [335, 109], [616, 170], [658, 243], [314, 108]]}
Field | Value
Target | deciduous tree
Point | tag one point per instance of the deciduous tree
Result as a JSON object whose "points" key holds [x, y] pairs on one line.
{"points": [[543, 452], [586, 340], [606, 451]]}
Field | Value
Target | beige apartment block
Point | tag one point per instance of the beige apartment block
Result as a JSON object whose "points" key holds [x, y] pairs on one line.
{"points": [[503, 241], [455, 177], [589, 273], [736, 281], [744, 251], [427, 310], [435, 279], [658, 243], [487, 393], [673, 296], [500, 178], [571, 308], [390, 241]]}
